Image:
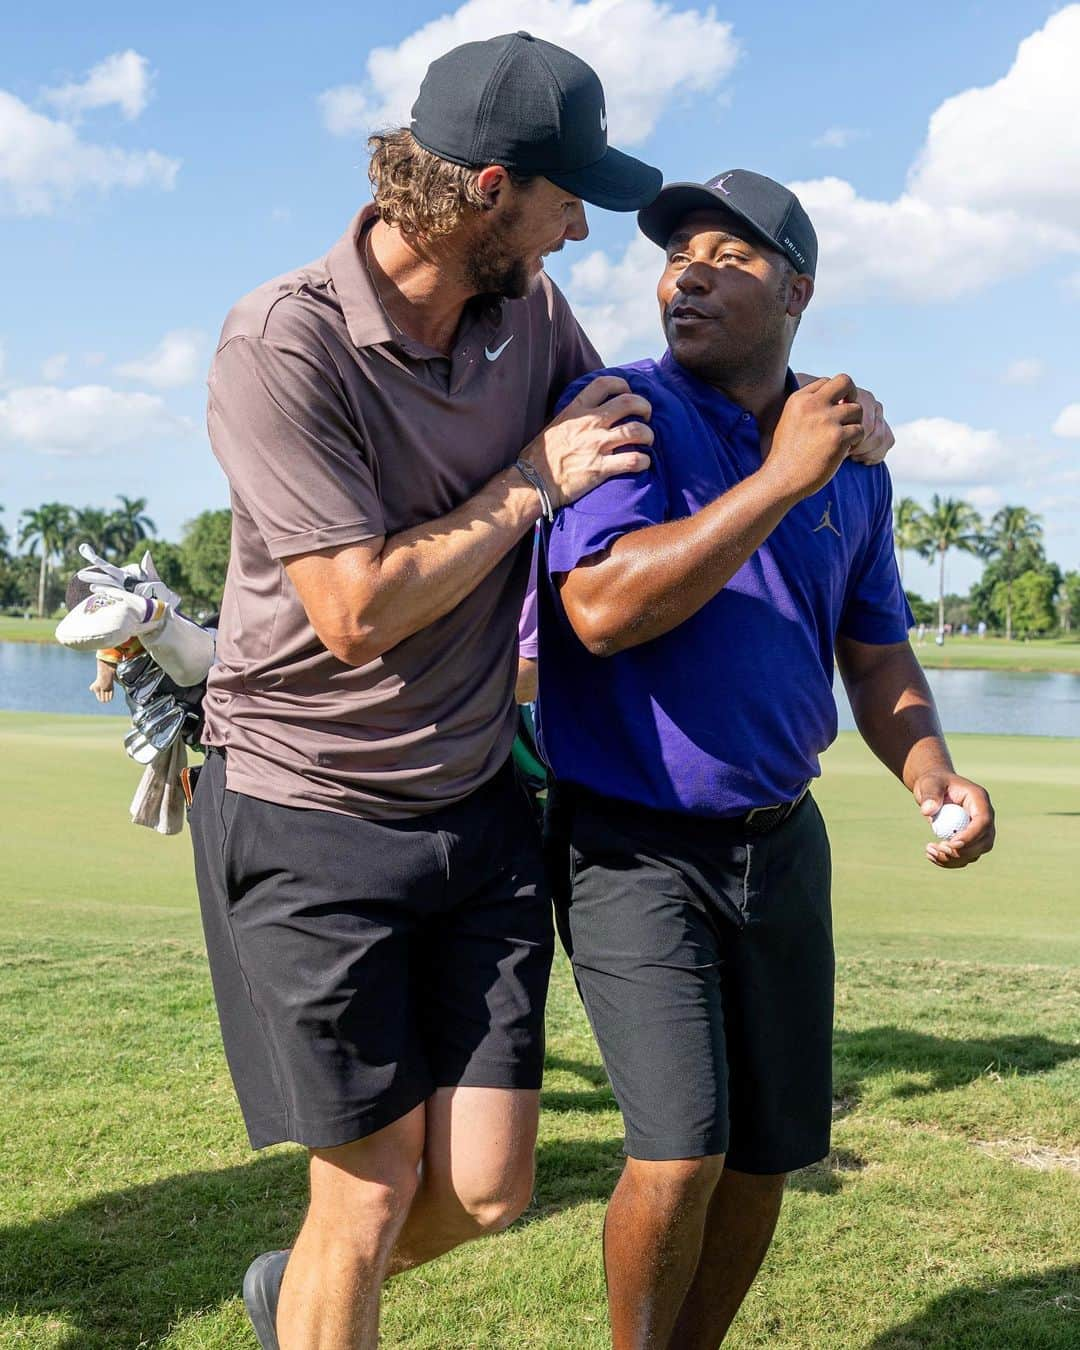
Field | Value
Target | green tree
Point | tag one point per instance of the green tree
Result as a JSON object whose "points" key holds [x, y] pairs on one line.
{"points": [[94, 526], [205, 552], [922, 610], [1030, 601], [47, 527], [130, 524], [1010, 529], [950, 523], [1068, 601], [907, 527]]}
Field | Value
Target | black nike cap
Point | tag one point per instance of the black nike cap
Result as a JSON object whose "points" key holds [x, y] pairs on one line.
{"points": [[537, 110], [769, 210]]}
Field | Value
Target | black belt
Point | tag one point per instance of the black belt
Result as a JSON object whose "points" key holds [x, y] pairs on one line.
{"points": [[762, 819]]}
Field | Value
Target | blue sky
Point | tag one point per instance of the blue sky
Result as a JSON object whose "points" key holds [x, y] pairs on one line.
{"points": [[155, 164]]}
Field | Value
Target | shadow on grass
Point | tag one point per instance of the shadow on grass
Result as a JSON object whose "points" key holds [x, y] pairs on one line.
{"points": [[598, 1096], [124, 1267], [859, 1055], [1040, 1311]]}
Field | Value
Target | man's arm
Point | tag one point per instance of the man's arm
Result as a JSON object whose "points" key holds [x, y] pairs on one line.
{"points": [[894, 711], [653, 579], [364, 598]]}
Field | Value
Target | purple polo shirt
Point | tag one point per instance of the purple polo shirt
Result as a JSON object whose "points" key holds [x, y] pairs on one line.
{"points": [[731, 709]]}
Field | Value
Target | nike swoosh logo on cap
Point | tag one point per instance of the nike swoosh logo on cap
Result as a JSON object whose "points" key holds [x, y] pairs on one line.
{"points": [[494, 355]]}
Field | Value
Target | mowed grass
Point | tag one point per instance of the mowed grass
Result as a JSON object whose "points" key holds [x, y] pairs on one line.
{"points": [[13, 629], [973, 653], [947, 1217]]}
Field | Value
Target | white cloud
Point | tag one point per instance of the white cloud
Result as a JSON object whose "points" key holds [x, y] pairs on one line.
{"points": [[44, 162], [90, 419], [1025, 370], [646, 53], [911, 249], [837, 138], [1072, 283], [615, 302], [984, 498], [123, 80], [1068, 422], [53, 367], [178, 359], [936, 450], [93, 359], [994, 191]]}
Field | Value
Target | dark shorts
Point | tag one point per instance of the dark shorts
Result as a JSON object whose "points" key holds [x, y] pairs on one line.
{"points": [[358, 966], [705, 963]]}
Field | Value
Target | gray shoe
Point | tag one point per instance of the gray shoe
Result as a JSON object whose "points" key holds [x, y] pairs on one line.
{"points": [[262, 1285]]}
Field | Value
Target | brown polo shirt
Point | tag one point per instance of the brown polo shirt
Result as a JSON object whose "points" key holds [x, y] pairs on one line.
{"points": [[333, 427]]}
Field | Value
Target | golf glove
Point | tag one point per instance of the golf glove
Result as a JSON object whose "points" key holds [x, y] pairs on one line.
{"points": [[136, 578]]}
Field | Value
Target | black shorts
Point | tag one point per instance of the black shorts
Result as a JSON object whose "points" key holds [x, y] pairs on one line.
{"points": [[705, 962], [358, 966]]}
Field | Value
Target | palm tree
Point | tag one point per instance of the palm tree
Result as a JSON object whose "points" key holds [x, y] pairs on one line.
{"points": [[907, 527], [131, 524], [950, 523], [93, 526], [1010, 527], [49, 525]]}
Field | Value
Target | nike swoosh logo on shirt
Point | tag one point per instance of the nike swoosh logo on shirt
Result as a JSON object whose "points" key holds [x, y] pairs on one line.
{"points": [[494, 355]]}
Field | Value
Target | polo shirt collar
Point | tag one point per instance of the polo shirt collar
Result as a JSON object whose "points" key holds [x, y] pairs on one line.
{"points": [[365, 317], [725, 414]]}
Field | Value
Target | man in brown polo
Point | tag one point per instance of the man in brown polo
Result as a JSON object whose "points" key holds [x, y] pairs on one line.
{"points": [[378, 928]]}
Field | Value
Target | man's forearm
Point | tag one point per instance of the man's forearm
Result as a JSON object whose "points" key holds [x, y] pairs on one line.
{"points": [[895, 713], [422, 573], [656, 578]]}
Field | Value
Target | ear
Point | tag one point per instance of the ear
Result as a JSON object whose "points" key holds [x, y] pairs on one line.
{"points": [[800, 293], [491, 182]]}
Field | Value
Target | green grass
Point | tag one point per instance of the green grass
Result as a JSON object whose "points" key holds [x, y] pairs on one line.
{"points": [[972, 653], [947, 1218], [26, 630]]}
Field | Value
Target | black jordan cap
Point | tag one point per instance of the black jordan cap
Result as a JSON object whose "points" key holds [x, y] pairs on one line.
{"points": [[769, 210], [537, 110]]}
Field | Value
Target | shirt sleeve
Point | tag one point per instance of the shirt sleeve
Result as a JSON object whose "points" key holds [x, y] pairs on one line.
{"points": [[618, 506], [876, 610], [528, 636], [292, 454]]}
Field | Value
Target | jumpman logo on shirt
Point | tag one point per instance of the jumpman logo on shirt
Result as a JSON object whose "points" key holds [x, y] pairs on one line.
{"points": [[826, 521]]}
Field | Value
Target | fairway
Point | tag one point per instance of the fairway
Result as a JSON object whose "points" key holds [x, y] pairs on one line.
{"points": [[946, 1218]]}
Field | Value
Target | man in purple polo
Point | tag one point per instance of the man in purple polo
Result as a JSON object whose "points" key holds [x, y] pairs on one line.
{"points": [[689, 616]]}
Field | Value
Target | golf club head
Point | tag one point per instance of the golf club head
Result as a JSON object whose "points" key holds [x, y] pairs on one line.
{"points": [[141, 691], [155, 728], [128, 672]]}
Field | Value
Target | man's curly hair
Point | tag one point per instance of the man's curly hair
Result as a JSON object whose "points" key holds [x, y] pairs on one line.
{"points": [[417, 191]]}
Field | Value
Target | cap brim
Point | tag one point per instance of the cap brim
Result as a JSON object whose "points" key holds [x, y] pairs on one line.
{"points": [[657, 220], [617, 182]]}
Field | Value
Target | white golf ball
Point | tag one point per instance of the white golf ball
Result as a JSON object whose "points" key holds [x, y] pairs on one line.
{"points": [[950, 820]]}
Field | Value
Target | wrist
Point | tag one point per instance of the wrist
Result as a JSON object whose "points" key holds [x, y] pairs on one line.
{"points": [[535, 479], [522, 499], [779, 485]]}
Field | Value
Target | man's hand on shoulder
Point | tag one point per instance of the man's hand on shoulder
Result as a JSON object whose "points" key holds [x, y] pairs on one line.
{"points": [[601, 433], [820, 426], [878, 438], [932, 791]]}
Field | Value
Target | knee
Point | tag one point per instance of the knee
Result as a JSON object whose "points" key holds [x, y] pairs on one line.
{"points": [[489, 1204], [372, 1206], [677, 1180]]}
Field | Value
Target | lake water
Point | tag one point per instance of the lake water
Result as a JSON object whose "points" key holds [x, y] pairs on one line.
{"points": [[39, 677]]}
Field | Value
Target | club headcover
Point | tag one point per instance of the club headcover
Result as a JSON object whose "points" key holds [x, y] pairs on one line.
{"points": [[110, 619]]}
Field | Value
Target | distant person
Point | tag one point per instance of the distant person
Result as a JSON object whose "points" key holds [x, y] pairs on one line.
{"points": [[964, 630], [378, 927], [689, 615], [922, 632], [982, 628]]}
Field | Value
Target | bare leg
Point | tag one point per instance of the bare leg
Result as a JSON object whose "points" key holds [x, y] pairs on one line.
{"points": [[740, 1224], [477, 1172], [652, 1244], [360, 1197]]}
